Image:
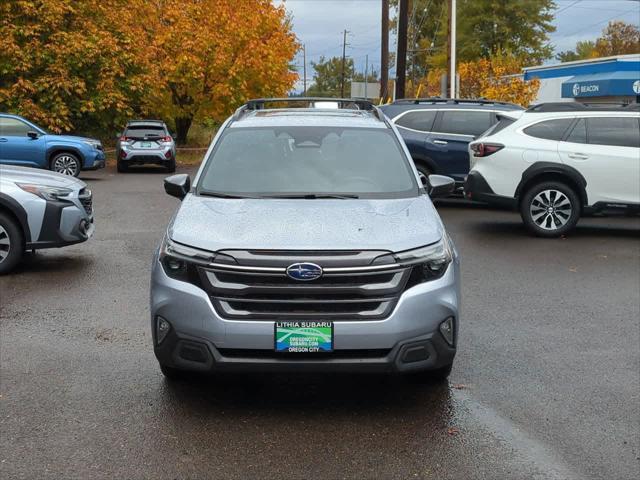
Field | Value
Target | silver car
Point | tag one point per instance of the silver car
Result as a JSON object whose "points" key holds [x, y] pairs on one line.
{"points": [[40, 209], [145, 142], [307, 242]]}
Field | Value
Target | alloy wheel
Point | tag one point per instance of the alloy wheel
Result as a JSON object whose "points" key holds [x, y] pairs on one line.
{"points": [[5, 244], [66, 164], [550, 209]]}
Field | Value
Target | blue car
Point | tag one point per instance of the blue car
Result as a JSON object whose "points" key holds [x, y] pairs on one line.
{"points": [[25, 144], [438, 130]]}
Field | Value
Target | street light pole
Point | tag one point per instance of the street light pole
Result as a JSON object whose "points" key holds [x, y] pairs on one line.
{"points": [[452, 67]]}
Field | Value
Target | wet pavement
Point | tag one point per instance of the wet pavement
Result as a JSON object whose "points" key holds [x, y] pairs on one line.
{"points": [[546, 383]]}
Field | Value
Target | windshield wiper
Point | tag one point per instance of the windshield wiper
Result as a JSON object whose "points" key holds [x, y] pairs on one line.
{"points": [[222, 195], [315, 196]]}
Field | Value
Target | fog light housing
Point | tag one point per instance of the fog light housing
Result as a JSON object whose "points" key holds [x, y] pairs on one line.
{"points": [[446, 329], [163, 327]]}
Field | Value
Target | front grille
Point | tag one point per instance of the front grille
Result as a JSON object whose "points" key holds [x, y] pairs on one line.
{"points": [[86, 199], [266, 295]]}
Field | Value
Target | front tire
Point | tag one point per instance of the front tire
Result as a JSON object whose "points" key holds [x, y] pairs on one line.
{"points": [[423, 169], [550, 209], [66, 164], [11, 243]]}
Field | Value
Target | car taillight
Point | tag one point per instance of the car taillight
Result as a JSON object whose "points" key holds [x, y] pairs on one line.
{"points": [[124, 139], [166, 139], [485, 149]]}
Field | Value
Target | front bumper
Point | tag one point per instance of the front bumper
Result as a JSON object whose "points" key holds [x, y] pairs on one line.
{"points": [[94, 161], [201, 340], [64, 223], [476, 188]]}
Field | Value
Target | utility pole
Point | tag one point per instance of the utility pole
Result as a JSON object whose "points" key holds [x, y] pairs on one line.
{"points": [[401, 56], [452, 68], [384, 52], [344, 51], [366, 75], [304, 68]]}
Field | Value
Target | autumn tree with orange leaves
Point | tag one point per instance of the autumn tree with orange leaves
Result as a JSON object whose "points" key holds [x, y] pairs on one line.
{"points": [[90, 65], [498, 77]]}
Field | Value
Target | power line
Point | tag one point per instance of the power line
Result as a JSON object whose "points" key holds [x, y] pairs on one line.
{"points": [[568, 6], [595, 24]]}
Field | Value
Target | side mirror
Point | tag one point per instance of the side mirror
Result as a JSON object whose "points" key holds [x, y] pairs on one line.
{"points": [[118, 135], [174, 136], [177, 185], [33, 135], [440, 186]]}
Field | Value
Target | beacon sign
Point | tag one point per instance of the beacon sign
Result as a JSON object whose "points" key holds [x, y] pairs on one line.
{"points": [[627, 84], [579, 90]]}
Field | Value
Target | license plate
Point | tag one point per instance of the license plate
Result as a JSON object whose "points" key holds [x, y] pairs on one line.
{"points": [[303, 337], [145, 145]]}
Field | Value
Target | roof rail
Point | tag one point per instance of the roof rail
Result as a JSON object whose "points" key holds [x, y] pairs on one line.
{"points": [[453, 101], [343, 103], [581, 107]]}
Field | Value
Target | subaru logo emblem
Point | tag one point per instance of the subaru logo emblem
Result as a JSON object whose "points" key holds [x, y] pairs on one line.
{"points": [[304, 271]]}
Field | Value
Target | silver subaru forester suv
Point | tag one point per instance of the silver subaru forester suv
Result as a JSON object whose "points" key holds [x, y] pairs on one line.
{"points": [[306, 242]]}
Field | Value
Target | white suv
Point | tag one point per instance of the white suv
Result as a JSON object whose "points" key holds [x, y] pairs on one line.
{"points": [[559, 161]]}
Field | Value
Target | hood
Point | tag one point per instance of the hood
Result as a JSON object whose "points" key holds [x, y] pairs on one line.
{"points": [[216, 224], [36, 176], [73, 138]]}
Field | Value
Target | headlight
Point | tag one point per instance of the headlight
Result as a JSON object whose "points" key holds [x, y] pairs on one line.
{"points": [[430, 262], [46, 192], [93, 143], [180, 261]]}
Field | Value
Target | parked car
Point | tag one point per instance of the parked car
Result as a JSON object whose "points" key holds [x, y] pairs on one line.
{"points": [[146, 142], [559, 161], [307, 242], [41, 210], [25, 144], [437, 131]]}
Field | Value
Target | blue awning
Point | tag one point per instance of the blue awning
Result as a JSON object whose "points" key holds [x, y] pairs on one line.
{"points": [[607, 84]]}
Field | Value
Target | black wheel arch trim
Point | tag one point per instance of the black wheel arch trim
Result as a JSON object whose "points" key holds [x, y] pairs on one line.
{"points": [[544, 168], [426, 161], [11, 205], [55, 150]]}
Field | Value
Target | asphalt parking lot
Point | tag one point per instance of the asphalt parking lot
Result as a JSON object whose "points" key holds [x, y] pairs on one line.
{"points": [[546, 383]]}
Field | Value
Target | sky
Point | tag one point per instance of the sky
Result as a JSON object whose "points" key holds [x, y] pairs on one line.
{"points": [[319, 25]]}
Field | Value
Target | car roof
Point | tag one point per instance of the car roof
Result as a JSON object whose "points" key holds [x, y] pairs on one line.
{"points": [[144, 122], [315, 117], [399, 106]]}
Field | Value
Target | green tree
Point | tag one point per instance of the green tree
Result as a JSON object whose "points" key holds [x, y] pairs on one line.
{"points": [[484, 27], [584, 49], [618, 38], [328, 77]]}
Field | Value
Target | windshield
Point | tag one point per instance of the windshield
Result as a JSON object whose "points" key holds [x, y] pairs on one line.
{"points": [[308, 162]]}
